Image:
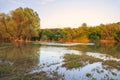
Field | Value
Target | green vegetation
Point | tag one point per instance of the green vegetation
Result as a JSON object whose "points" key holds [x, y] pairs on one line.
{"points": [[5, 69], [112, 64], [88, 75], [36, 76], [76, 61], [69, 57], [71, 61], [20, 24], [72, 64], [24, 24], [17, 61], [93, 79], [84, 32]]}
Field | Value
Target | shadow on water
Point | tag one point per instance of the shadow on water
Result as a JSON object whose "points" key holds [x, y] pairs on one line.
{"points": [[29, 61], [18, 60]]}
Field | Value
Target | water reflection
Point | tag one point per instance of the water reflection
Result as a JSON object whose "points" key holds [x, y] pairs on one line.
{"points": [[19, 60], [102, 56], [112, 49], [96, 62], [87, 62]]}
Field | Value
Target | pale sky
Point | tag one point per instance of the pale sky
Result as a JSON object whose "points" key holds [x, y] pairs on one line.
{"points": [[68, 13]]}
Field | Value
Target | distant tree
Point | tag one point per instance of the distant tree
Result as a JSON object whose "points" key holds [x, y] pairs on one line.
{"points": [[83, 32], [94, 36], [47, 34], [84, 25]]}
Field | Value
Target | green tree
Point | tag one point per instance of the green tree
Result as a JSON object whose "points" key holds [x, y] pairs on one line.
{"points": [[7, 27], [94, 36], [83, 31], [27, 22]]}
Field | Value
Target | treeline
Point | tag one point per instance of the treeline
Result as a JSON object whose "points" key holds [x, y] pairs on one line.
{"points": [[20, 24], [83, 33], [23, 24]]}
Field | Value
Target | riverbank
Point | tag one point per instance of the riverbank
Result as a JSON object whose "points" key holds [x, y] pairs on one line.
{"points": [[81, 41], [65, 41]]}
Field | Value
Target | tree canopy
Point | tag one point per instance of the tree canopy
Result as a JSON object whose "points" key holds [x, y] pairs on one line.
{"points": [[22, 23], [84, 32]]}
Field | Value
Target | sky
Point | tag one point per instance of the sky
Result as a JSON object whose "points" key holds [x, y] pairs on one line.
{"points": [[68, 13]]}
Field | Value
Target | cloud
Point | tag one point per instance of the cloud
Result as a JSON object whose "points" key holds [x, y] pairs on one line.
{"points": [[43, 2], [15, 2]]}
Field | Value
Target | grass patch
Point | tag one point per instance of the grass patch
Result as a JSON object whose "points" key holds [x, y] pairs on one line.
{"points": [[72, 64], [8, 72], [20, 78], [71, 61], [93, 79], [69, 57], [5, 69], [35, 76], [76, 61], [39, 76], [112, 64], [88, 75], [89, 59]]}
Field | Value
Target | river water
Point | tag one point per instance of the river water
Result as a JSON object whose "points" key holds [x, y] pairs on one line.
{"points": [[103, 62]]}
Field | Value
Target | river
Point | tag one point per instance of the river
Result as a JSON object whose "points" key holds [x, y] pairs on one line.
{"points": [[70, 61]]}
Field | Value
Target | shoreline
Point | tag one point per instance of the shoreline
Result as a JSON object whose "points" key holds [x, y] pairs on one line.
{"points": [[66, 41], [80, 41]]}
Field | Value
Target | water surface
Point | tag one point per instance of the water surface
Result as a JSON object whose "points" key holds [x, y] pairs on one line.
{"points": [[99, 61]]}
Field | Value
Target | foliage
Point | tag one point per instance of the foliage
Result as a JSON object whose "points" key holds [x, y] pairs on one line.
{"points": [[22, 23], [94, 36], [84, 32]]}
